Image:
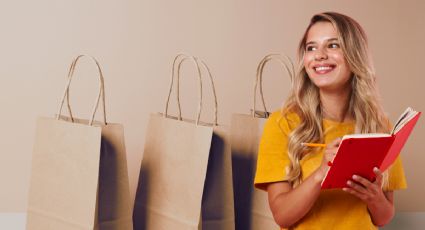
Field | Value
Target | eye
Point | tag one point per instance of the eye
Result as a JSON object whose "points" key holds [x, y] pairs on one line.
{"points": [[334, 45], [310, 48]]}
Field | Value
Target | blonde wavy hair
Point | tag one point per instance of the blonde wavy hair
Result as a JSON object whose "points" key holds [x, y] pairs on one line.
{"points": [[364, 105]]}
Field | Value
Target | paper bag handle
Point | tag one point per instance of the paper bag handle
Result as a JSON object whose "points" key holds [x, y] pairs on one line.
{"points": [[101, 93], [178, 60], [182, 58], [284, 61], [213, 89]]}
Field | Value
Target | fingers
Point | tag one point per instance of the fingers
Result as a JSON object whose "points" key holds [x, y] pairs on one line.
{"points": [[379, 176], [330, 152], [329, 155], [366, 183], [363, 181], [357, 187], [331, 149], [363, 188], [335, 143], [333, 146], [355, 193]]}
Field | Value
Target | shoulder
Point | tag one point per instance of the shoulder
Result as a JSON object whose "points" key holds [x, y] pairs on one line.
{"points": [[285, 121]]}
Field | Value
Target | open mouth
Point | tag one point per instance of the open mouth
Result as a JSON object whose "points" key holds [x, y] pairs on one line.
{"points": [[322, 69]]}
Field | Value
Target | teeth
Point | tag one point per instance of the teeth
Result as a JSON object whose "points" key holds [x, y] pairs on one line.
{"points": [[321, 68]]}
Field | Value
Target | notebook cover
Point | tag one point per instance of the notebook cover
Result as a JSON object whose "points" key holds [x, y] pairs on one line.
{"points": [[357, 156]]}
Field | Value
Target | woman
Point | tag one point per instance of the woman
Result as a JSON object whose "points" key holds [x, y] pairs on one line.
{"points": [[334, 94]]}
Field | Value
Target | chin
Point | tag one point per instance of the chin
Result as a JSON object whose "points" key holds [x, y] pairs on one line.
{"points": [[325, 85], [322, 84]]}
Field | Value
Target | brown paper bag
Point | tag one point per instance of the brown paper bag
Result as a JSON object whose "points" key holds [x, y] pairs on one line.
{"points": [[252, 211], [79, 177], [185, 178]]}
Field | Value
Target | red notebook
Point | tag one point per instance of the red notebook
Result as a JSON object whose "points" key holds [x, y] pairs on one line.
{"points": [[360, 153]]}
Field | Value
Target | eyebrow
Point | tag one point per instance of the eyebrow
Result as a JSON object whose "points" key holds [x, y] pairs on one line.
{"points": [[328, 40]]}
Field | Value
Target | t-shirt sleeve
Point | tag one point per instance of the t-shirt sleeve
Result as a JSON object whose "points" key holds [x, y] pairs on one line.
{"points": [[396, 177], [272, 154]]}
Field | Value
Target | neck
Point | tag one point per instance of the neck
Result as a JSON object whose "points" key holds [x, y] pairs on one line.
{"points": [[335, 105]]}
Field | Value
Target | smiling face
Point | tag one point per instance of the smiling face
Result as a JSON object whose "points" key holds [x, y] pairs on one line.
{"points": [[324, 60]]}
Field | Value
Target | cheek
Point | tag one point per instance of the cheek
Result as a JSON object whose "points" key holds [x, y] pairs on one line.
{"points": [[340, 59], [345, 68], [342, 63], [306, 60], [345, 73]]}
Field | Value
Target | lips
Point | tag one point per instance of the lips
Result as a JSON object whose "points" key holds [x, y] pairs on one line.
{"points": [[324, 68]]}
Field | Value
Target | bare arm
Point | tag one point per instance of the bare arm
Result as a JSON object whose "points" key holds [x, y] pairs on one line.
{"points": [[288, 204], [382, 211], [379, 203]]}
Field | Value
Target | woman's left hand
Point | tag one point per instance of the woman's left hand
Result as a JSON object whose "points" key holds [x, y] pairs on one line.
{"points": [[367, 191]]}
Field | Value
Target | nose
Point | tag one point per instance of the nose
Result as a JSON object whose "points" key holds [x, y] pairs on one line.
{"points": [[320, 54]]}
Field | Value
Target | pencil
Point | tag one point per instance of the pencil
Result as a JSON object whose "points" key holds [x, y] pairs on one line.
{"points": [[313, 144]]}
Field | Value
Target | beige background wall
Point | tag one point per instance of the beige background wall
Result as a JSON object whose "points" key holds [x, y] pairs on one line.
{"points": [[135, 42]]}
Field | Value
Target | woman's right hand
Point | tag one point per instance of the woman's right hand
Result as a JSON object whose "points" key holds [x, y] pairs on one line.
{"points": [[328, 156]]}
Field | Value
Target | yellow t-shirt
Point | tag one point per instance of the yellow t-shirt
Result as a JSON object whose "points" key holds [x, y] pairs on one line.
{"points": [[334, 209]]}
